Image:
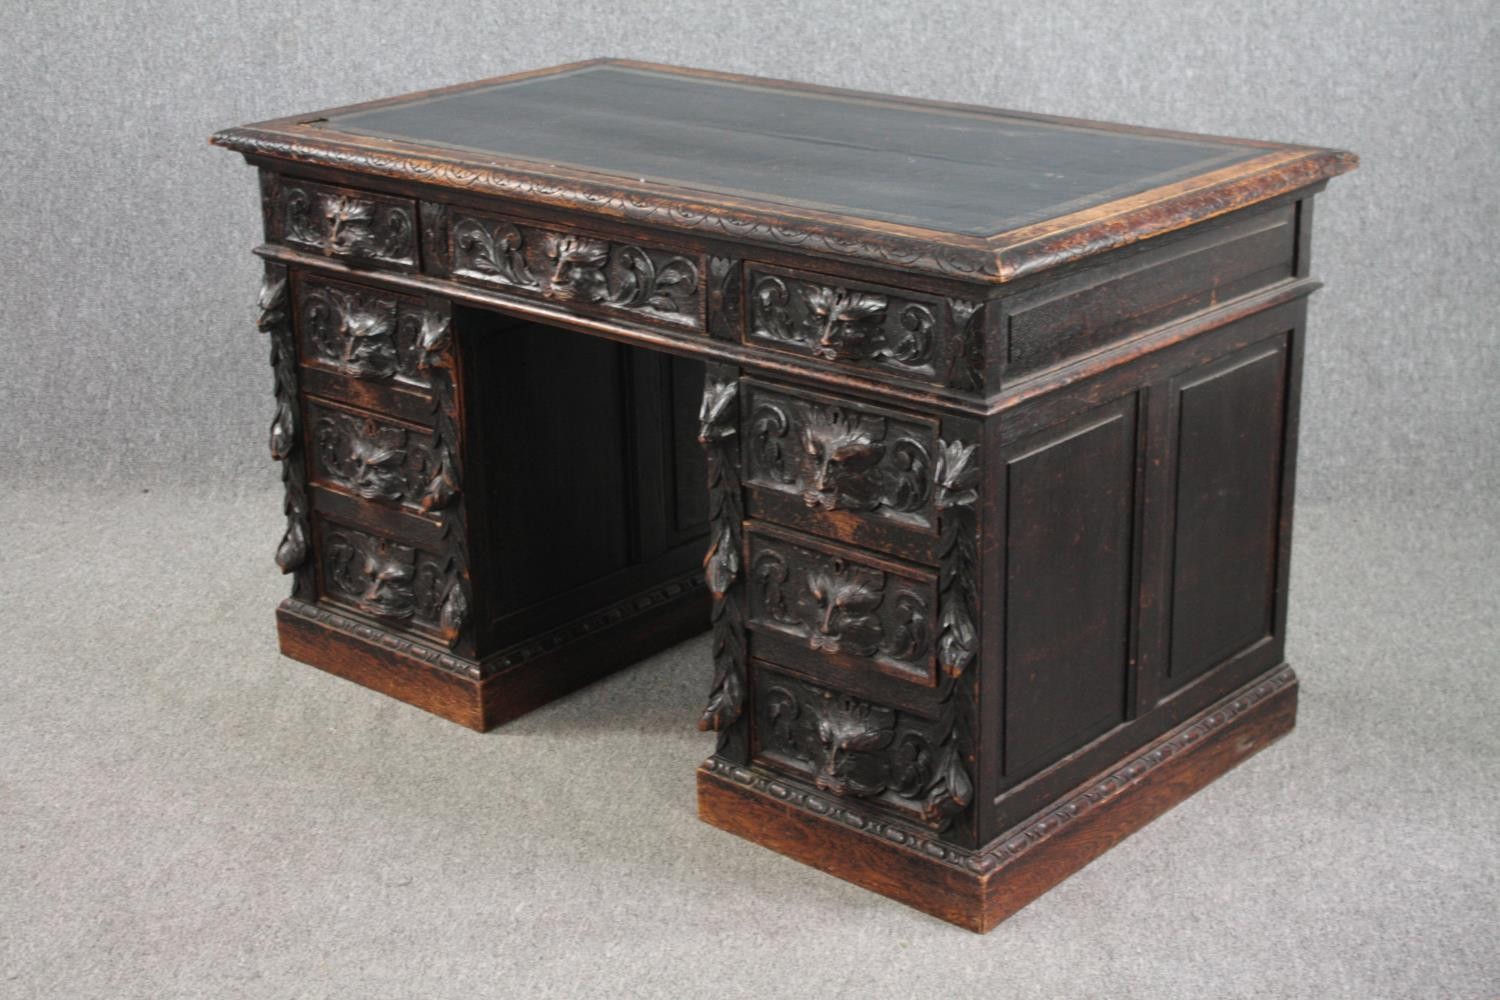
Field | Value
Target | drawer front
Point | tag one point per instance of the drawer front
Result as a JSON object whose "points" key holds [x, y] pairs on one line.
{"points": [[345, 223], [376, 458], [397, 583], [921, 337], [858, 749], [861, 473], [589, 273], [362, 345], [849, 618]]}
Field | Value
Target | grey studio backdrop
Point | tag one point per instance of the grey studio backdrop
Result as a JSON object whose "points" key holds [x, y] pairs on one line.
{"points": [[184, 814]]}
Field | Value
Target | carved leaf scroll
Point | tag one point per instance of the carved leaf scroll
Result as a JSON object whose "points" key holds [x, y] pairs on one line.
{"points": [[571, 267]]}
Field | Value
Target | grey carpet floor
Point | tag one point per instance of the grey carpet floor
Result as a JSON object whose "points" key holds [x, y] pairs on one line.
{"points": [[185, 814]]}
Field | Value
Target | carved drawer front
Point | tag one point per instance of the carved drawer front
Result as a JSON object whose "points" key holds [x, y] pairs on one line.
{"points": [[377, 458], [920, 337], [398, 584], [841, 614], [859, 473], [351, 225], [859, 749], [363, 346], [611, 276]]}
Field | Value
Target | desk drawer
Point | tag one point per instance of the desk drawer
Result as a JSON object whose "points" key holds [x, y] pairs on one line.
{"points": [[376, 458], [400, 584], [362, 346], [847, 618], [857, 749], [920, 337], [587, 273], [357, 227], [861, 474]]}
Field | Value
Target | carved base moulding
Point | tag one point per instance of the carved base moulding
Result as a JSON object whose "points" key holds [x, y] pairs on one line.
{"points": [[979, 889]]}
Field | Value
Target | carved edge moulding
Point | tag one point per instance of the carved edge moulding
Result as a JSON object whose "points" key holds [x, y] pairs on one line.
{"points": [[996, 259]]}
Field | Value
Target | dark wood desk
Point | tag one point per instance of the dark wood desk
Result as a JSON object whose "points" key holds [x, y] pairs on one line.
{"points": [[998, 415]]}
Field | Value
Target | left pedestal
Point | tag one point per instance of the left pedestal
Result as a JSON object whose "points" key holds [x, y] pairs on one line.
{"points": [[449, 544]]}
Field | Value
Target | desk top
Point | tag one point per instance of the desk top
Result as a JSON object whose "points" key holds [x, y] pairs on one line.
{"points": [[918, 185]]}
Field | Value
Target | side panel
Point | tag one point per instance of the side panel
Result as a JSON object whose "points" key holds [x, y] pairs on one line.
{"points": [[1230, 422], [1147, 519], [1070, 503]]}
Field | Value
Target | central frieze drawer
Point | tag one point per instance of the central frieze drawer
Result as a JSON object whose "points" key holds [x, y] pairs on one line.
{"points": [[851, 618], [611, 276]]}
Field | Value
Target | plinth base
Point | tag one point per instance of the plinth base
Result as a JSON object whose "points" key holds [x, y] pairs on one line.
{"points": [[484, 694], [978, 889]]}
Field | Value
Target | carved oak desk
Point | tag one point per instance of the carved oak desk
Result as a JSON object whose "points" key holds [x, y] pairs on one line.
{"points": [[998, 428]]}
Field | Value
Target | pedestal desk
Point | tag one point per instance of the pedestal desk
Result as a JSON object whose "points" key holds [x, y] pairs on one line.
{"points": [[997, 416]]}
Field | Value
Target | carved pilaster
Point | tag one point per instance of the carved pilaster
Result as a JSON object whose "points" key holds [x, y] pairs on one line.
{"points": [[439, 356], [967, 368], [274, 319], [956, 476], [724, 321], [718, 430]]}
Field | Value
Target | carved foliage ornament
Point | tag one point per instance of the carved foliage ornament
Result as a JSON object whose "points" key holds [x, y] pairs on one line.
{"points": [[385, 579], [365, 333], [839, 458], [437, 353], [572, 268], [838, 606], [862, 750], [347, 225], [956, 491], [380, 461], [718, 422], [841, 324], [272, 319]]}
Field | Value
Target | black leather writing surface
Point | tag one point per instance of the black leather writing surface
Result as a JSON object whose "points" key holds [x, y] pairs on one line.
{"points": [[955, 171]]}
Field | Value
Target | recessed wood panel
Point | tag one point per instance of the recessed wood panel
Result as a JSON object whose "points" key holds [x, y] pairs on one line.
{"points": [[562, 514], [1070, 498], [1229, 454]]}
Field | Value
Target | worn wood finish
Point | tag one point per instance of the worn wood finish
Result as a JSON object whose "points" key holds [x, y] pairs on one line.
{"points": [[996, 414]]}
